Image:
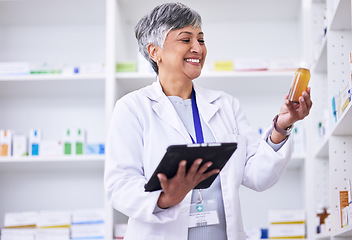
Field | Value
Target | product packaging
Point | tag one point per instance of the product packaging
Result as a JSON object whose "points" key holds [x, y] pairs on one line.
{"points": [[5, 143], [34, 142], [80, 141], [68, 142], [20, 146]]}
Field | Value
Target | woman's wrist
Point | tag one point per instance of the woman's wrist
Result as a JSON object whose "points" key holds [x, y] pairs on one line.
{"points": [[286, 131], [279, 133]]}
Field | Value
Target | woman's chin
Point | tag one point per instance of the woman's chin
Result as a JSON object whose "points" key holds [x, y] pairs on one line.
{"points": [[194, 74]]}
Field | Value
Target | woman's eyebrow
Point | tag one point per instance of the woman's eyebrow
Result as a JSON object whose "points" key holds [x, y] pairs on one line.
{"points": [[189, 33]]}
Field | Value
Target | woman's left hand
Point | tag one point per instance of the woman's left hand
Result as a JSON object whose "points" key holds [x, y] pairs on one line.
{"points": [[291, 112]]}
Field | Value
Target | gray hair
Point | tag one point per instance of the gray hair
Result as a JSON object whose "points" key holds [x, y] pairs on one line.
{"points": [[154, 27]]}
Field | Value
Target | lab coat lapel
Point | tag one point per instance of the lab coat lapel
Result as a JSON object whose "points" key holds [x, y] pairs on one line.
{"points": [[166, 111], [204, 102], [208, 110]]}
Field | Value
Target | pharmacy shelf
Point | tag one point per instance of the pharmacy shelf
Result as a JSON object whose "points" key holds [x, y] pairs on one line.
{"points": [[320, 62], [84, 163], [343, 125], [256, 81], [209, 74], [342, 128], [341, 17], [322, 236], [343, 232], [52, 85], [53, 77], [322, 151]]}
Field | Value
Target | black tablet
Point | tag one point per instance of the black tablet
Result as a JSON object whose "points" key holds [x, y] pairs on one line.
{"points": [[217, 153]]}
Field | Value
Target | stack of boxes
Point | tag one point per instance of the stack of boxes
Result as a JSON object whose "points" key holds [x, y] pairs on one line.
{"points": [[287, 223], [54, 225], [88, 224], [19, 226]]}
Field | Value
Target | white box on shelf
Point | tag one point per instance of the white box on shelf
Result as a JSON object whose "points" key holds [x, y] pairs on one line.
{"points": [[14, 68], [50, 148], [21, 219], [18, 234], [250, 64], [287, 216], [52, 234], [54, 219], [86, 216], [19, 145], [93, 231], [287, 230], [90, 68]]}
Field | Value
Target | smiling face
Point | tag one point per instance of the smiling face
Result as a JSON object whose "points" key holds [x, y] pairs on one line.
{"points": [[183, 54]]}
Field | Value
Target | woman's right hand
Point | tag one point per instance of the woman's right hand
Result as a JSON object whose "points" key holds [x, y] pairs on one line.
{"points": [[175, 189]]}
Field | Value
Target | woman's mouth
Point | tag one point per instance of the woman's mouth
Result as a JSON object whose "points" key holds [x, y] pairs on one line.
{"points": [[194, 61]]}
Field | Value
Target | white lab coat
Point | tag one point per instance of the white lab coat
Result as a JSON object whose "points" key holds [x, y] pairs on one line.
{"points": [[144, 123]]}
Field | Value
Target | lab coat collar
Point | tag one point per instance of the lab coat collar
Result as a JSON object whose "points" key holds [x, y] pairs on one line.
{"points": [[205, 98], [155, 92]]}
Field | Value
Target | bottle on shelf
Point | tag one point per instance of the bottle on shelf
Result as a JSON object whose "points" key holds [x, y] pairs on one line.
{"points": [[34, 142], [67, 142]]}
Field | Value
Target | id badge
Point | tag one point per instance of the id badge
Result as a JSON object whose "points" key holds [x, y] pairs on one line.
{"points": [[203, 214]]}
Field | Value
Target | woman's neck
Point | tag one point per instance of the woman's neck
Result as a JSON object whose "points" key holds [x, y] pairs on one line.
{"points": [[172, 87]]}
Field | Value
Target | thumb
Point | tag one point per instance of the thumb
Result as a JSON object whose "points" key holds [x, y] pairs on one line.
{"points": [[162, 179]]}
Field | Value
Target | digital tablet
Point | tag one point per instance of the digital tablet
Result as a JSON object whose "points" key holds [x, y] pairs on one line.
{"points": [[217, 153]]}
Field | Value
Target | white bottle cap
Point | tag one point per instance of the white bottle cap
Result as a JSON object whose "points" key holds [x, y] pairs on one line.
{"points": [[305, 65]]}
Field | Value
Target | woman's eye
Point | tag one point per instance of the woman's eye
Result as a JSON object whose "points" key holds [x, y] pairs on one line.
{"points": [[201, 41], [185, 40]]}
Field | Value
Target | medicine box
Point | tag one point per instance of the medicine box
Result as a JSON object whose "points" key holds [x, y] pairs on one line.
{"points": [[19, 146], [5, 143], [87, 231], [20, 219], [18, 234], [286, 216], [223, 66], [88, 216], [54, 219], [50, 148], [277, 231]]}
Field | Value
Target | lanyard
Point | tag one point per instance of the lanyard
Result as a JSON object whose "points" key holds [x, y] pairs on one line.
{"points": [[196, 120]]}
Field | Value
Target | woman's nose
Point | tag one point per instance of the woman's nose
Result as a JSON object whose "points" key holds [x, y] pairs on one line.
{"points": [[196, 47]]}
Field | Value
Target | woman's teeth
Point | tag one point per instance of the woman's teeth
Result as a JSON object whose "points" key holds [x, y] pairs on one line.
{"points": [[192, 60]]}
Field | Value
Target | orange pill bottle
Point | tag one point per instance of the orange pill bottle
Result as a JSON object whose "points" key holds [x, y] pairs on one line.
{"points": [[299, 83]]}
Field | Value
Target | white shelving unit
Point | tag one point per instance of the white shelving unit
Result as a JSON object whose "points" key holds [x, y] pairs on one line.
{"points": [[102, 32], [329, 160], [71, 32]]}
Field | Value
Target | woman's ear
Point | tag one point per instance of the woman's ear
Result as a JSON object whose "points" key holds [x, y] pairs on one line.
{"points": [[154, 52]]}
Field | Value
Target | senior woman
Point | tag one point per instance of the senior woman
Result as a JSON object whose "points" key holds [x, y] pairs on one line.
{"points": [[145, 122]]}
